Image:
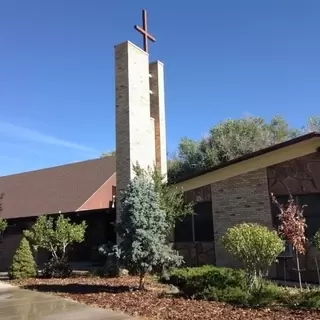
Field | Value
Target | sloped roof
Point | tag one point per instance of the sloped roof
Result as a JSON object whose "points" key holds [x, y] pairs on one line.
{"points": [[64, 188], [251, 155]]}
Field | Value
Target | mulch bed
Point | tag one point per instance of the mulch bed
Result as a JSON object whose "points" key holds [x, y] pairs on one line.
{"points": [[119, 294]]}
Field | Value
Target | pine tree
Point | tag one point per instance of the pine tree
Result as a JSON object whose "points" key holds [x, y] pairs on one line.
{"points": [[23, 265], [143, 230]]}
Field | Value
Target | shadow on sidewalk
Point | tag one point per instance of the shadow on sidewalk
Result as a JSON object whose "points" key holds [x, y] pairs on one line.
{"points": [[75, 288]]}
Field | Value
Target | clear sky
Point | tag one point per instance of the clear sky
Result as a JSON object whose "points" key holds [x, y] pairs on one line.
{"points": [[223, 59]]}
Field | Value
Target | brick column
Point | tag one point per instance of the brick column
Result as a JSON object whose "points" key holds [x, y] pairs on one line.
{"points": [[244, 198], [134, 126]]}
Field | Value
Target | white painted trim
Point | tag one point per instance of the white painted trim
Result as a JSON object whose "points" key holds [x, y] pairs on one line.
{"points": [[79, 209]]}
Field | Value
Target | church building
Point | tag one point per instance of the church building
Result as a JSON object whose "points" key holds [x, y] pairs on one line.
{"points": [[228, 194]]}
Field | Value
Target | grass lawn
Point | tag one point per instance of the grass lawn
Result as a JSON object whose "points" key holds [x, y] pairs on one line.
{"points": [[119, 294]]}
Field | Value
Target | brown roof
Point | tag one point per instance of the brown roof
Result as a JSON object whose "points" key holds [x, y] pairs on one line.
{"points": [[251, 155], [64, 188]]}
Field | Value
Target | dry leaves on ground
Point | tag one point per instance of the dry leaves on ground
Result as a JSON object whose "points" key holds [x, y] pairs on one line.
{"points": [[119, 294]]}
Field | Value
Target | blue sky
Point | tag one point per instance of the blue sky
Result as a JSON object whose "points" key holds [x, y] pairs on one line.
{"points": [[223, 59]]}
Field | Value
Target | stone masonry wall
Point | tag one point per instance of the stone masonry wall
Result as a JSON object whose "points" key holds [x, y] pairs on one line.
{"points": [[196, 253], [244, 198]]}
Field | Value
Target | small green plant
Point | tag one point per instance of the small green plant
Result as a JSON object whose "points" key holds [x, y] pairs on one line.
{"points": [[316, 240], [3, 222], [57, 268], [111, 266], [23, 265], [56, 235], [302, 299], [3, 225], [256, 247]]}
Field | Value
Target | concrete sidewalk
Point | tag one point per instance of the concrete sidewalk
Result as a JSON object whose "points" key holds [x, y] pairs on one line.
{"points": [[19, 304]]}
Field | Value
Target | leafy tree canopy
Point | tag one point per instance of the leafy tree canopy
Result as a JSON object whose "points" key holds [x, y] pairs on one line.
{"points": [[255, 246], [231, 139], [171, 199], [55, 235], [108, 154]]}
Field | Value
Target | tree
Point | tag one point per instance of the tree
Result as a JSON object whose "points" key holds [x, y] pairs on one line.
{"points": [[171, 199], [230, 139], [3, 222], [23, 265], [316, 242], [143, 230], [255, 246], [108, 154], [313, 124], [292, 227], [55, 236]]}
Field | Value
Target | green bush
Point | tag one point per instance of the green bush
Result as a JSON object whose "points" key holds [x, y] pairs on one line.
{"points": [[256, 247], [194, 281], [306, 299], [229, 285], [57, 268], [224, 285], [111, 266], [310, 300], [233, 295], [23, 265], [268, 294]]}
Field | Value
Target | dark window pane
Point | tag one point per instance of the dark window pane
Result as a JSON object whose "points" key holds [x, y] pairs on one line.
{"points": [[183, 230], [203, 222], [275, 211], [311, 213]]}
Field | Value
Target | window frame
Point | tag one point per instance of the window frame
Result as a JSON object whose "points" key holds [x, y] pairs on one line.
{"points": [[193, 228]]}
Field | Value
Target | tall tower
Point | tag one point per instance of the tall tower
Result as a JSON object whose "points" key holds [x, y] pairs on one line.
{"points": [[140, 110]]}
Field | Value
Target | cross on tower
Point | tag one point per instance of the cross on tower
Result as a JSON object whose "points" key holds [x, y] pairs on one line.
{"points": [[144, 31]]}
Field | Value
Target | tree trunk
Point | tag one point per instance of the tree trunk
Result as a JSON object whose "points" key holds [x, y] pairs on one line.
{"points": [[142, 279], [317, 266], [298, 269]]}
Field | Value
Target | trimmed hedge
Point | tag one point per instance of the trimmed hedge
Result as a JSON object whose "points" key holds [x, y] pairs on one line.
{"points": [[195, 281], [228, 285]]}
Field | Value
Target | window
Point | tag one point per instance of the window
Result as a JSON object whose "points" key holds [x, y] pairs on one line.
{"points": [[197, 228], [275, 210], [183, 230], [203, 222], [311, 212]]}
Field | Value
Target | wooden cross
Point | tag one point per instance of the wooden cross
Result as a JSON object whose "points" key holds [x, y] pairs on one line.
{"points": [[144, 31]]}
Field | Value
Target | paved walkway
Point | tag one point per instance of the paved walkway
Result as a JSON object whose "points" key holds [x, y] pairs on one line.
{"points": [[18, 304]]}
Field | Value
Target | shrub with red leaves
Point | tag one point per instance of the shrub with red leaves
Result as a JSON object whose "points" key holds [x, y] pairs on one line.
{"points": [[293, 224]]}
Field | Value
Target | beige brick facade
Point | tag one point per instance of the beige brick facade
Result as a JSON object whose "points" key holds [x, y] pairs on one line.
{"points": [[157, 107], [134, 127], [140, 114], [243, 198]]}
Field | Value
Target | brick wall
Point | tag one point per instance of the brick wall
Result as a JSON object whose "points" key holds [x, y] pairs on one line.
{"points": [[243, 198], [134, 126]]}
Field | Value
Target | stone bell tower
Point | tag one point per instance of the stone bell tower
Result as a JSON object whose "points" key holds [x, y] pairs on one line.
{"points": [[140, 110]]}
